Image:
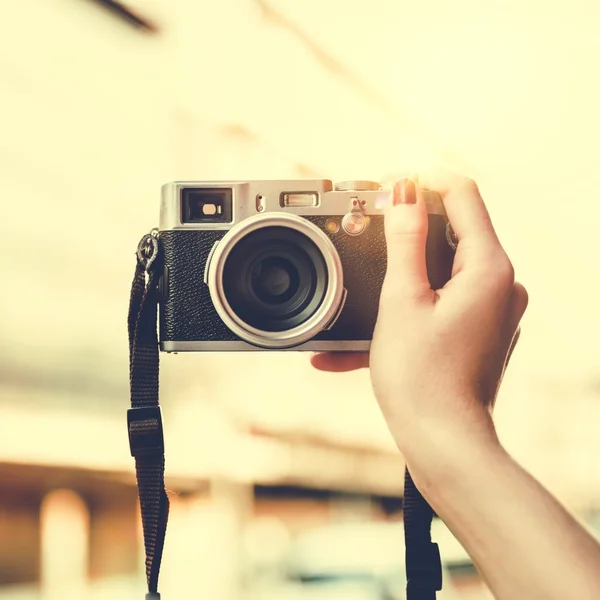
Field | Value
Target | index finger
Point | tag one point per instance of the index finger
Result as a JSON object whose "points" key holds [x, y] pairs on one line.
{"points": [[466, 210]]}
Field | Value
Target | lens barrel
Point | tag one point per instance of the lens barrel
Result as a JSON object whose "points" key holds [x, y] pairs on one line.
{"points": [[275, 280]]}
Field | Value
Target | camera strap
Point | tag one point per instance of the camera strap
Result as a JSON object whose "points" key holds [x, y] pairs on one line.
{"points": [[146, 442], [144, 422], [423, 563]]}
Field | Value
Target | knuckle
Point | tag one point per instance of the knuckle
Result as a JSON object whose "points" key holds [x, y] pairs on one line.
{"points": [[524, 294], [467, 184], [457, 183], [522, 297], [504, 272]]}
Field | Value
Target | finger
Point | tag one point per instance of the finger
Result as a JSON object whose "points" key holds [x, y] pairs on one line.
{"points": [[340, 362], [465, 208], [406, 225]]}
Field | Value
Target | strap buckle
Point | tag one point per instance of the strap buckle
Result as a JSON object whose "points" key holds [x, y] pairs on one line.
{"points": [[147, 250], [144, 425], [424, 566]]}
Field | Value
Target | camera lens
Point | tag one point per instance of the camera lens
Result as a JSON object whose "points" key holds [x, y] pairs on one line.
{"points": [[275, 278]]}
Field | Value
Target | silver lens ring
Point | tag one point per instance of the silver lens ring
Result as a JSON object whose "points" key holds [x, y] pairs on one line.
{"points": [[315, 323]]}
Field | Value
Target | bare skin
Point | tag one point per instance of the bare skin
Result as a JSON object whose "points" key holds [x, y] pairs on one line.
{"points": [[436, 363]]}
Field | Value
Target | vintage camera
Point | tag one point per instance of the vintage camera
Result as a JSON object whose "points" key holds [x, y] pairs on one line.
{"points": [[279, 265]]}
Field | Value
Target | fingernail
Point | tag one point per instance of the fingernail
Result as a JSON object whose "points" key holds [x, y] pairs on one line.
{"points": [[405, 192]]}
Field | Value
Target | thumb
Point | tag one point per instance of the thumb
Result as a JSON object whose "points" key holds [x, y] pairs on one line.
{"points": [[406, 225]]}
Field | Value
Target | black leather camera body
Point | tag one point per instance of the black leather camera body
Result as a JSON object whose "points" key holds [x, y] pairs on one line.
{"points": [[279, 265]]}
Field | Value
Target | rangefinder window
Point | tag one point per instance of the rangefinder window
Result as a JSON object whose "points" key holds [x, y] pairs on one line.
{"points": [[206, 205]]}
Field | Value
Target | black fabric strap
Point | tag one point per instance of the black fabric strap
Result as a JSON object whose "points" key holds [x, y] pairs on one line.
{"points": [[423, 564], [144, 422]]}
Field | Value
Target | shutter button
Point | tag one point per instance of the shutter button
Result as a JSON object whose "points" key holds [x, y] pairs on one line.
{"points": [[354, 224]]}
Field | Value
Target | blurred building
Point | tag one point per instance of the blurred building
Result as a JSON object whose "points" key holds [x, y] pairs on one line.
{"points": [[103, 102]]}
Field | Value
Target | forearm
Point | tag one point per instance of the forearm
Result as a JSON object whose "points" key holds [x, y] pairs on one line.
{"points": [[524, 543]]}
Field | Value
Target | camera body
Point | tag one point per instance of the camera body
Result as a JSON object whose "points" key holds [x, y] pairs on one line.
{"points": [[279, 265]]}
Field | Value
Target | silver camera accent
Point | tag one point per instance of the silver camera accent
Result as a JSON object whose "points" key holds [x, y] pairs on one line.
{"points": [[212, 224], [300, 197], [323, 318]]}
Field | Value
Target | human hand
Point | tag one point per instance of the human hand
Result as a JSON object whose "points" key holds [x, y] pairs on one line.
{"points": [[438, 356]]}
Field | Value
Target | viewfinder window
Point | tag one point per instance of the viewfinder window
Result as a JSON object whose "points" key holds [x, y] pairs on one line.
{"points": [[206, 205]]}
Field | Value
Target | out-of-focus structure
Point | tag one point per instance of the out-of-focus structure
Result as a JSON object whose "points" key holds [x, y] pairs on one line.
{"points": [[102, 102]]}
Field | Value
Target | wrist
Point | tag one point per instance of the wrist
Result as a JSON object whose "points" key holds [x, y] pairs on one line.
{"points": [[438, 452]]}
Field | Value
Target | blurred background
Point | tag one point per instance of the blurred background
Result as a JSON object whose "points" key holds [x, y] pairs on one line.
{"points": [[284, 482]]}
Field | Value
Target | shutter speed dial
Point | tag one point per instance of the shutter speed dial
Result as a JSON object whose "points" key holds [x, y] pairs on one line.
{"points": [[357, 186]]}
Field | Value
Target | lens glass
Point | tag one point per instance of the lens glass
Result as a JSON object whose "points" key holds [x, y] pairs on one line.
{"points": [[275, 278]]}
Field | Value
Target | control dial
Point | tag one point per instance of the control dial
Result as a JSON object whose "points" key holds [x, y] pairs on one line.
{"points": [[357, 186]]}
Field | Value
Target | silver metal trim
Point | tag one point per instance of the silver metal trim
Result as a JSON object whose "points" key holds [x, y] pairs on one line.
{"points": [[305, 331], [239, 346], [208, 260], [357, 185], [245, 193], [339, 312]]}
